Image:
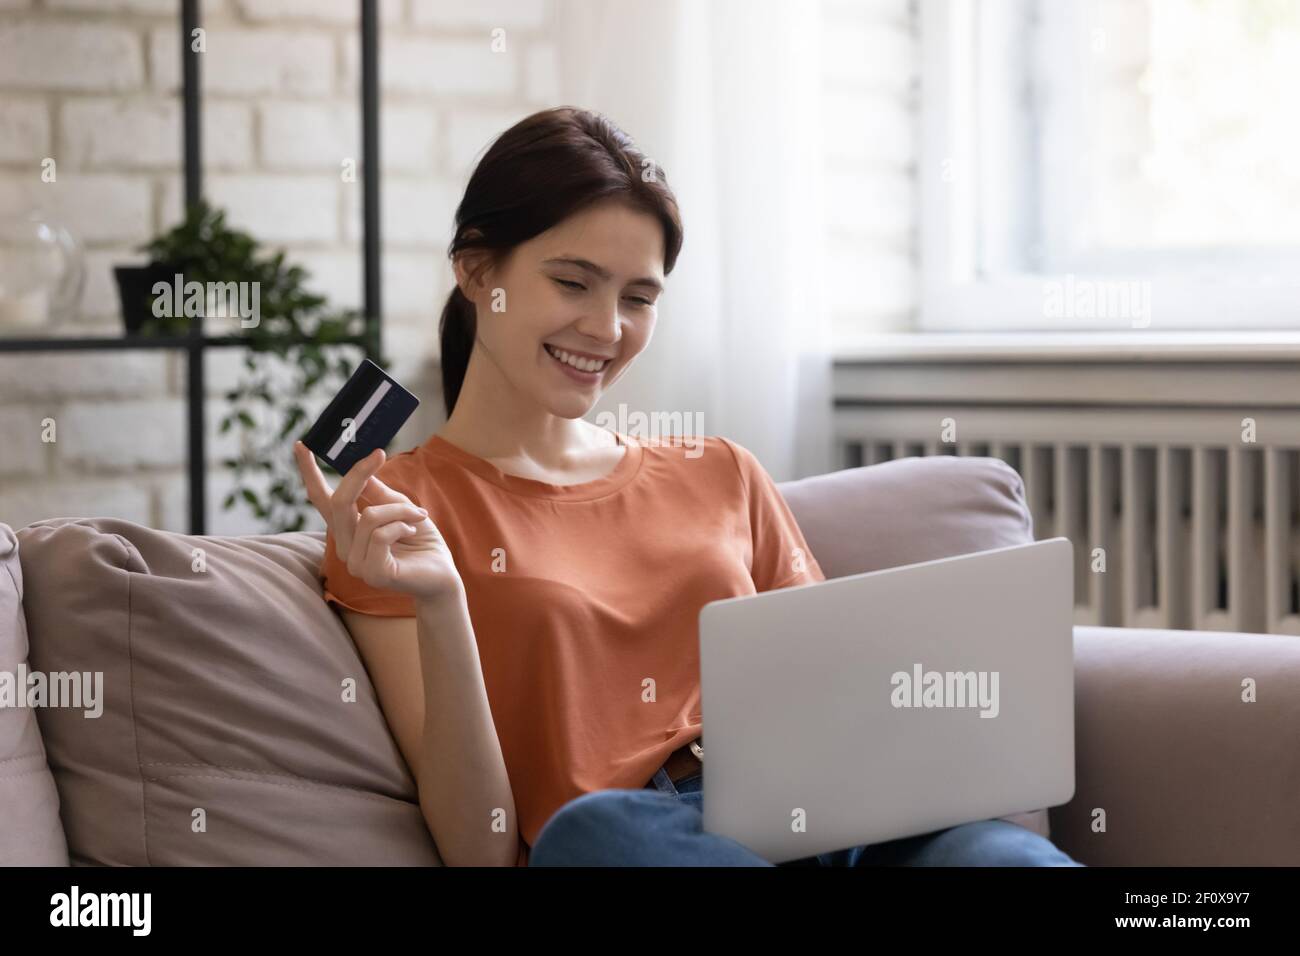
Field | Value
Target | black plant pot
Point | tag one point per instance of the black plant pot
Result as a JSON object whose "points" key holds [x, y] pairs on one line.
{"points": [[135, 292]]}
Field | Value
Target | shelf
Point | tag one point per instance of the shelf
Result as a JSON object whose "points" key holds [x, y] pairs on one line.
{"points": [[194, 343]]}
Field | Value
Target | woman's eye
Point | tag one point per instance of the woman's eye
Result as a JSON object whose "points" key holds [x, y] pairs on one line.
{"points": [[570, 284], [641, 303]]}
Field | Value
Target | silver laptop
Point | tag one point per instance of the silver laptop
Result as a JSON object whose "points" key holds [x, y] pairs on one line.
{"points": [[888, 704]]}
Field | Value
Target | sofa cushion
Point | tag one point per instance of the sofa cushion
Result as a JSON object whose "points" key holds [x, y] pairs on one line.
{"points": [[30, 831], [911, 510], [228, 734]]}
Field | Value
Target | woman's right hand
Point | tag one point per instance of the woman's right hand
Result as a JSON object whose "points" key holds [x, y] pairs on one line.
{"points": [[388, 542]]}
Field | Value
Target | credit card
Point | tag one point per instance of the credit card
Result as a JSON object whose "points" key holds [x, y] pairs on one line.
{"points": [[365, 415]]}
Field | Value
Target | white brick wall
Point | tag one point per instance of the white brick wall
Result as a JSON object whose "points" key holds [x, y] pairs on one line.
{"points": [[524, 14], [469, 132], [440, 67], [280, 209], [244, 62], [80, 496], [97, 207], [94, 85], [23, 456], [119, 133], [44, 378], [65, 54], [342, 12], [24, 131]]}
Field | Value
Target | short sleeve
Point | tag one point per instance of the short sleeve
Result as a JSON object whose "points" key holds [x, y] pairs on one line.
{"points": [[781, 556], [342, 589]]}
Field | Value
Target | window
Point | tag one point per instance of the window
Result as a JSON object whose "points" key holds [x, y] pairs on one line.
{"points": [[1110, 164]]}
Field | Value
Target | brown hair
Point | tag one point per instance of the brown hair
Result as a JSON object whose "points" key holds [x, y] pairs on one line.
{"points": [[539, 172]]}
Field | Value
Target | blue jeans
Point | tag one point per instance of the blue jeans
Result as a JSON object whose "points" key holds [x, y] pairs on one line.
{"points": [[664, 826]]}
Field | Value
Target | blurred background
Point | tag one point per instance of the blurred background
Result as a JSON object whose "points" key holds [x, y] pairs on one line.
{"points": [[713, 91], [1060, 233]]}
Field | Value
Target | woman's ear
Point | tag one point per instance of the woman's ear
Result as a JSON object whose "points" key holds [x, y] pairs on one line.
{"points": [[459, 267], [470, 265]]}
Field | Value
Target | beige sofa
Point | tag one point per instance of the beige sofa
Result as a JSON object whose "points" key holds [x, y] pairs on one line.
{"points": [[237, 724]]}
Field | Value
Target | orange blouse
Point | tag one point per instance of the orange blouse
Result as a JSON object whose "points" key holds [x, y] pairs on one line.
{"points": [[585, 598]]}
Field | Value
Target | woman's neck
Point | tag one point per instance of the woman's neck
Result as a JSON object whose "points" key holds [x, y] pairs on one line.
{"points": [[552, 444]]}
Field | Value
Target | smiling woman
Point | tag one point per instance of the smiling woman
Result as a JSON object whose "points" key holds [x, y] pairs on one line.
{"points": [[541, 658], [551, 230]]}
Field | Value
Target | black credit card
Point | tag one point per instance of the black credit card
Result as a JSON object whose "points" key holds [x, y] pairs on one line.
{"points": [[365, 415]]}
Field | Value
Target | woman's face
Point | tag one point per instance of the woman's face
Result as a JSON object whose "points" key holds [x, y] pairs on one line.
{"points": [[566, 313]]}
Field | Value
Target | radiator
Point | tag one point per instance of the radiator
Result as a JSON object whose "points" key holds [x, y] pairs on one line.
{"points": [[1195, 531]]}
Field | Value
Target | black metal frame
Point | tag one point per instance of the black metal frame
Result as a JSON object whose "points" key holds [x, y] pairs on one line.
{"points": [[195, 344]]}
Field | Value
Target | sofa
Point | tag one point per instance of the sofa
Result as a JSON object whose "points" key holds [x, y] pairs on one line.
{"points": [[224, 716]]}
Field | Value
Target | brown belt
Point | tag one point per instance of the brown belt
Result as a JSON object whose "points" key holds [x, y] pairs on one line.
{"points": [[683, 762]]}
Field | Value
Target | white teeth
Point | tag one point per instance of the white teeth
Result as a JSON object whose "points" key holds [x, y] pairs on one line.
{"points": [[582, 364]]}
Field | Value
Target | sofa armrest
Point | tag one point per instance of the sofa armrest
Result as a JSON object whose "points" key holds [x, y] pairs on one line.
{"points": [[31, 831], [1185, 768]]}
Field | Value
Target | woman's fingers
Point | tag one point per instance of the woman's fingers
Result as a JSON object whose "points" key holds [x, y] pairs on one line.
{"points": [[378, 493], [371, 550], [376, 516], [343, 503], [370, 521], [372, 491], [318, 490], [379, 551], [358, 476], [358, 509], [364, 514]]}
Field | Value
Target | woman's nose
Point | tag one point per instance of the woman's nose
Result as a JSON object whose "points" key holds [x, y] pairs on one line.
{"points": [[602, 324]]}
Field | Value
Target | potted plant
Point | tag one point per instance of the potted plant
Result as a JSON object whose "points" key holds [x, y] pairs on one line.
{"points": [[292, 326], [134, 291]]}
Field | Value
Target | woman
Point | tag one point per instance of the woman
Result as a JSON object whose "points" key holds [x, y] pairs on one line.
{"points": [[524, 587]]}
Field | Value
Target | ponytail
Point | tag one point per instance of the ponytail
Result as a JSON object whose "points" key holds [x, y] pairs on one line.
{"points": [[456, 332]]}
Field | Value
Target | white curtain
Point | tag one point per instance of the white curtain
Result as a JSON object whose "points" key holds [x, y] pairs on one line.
{"points": [[725, 96]]}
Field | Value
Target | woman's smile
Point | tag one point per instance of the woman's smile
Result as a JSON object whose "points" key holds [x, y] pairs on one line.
{"points": [[577, 366]]}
